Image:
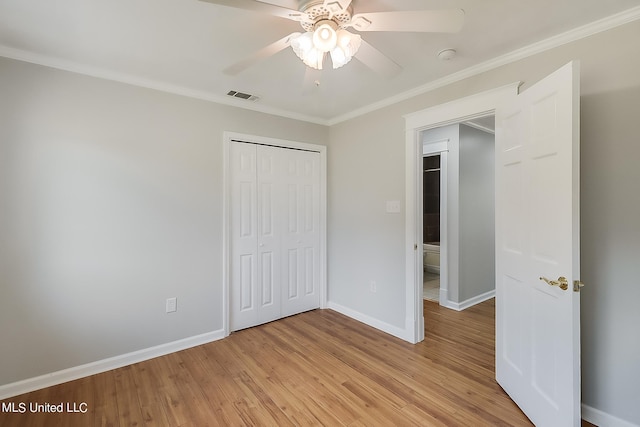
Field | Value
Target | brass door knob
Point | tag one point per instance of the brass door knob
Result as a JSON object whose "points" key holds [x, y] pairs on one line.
{"points": [[562, 282]]}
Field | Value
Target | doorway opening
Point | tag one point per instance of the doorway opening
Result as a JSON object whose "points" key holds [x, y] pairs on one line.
{"points": [[464, 109], [431, 178], [458, 212]]}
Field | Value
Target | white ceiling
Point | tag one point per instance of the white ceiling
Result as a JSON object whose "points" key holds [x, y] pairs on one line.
{"points": [[183, 46]]}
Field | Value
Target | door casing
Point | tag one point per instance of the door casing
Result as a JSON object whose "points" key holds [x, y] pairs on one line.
{"points": [[468, 108]]}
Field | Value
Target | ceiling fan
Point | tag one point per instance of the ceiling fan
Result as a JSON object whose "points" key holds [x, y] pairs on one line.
{"points": [[325, 24]]}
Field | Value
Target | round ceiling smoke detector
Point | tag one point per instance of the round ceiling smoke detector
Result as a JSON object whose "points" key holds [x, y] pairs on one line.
{"points": [[447, 54]]}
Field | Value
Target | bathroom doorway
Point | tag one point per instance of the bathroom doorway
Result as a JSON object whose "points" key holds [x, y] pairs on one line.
{"points": [[458, 213], [431, 226]]}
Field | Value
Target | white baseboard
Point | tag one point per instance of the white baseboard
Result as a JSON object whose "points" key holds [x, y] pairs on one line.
{"points": [[374, 323], [459, 306], [444, 297], [602, 419], [70, 374]]}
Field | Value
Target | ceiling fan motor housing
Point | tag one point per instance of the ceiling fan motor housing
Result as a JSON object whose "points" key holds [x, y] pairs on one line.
{"points": [[317, 11]]}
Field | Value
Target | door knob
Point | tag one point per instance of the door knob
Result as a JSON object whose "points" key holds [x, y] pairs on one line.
{"points": [[562, 282]]}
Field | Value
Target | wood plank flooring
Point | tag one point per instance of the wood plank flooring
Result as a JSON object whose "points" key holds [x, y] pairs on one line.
{"points": [[315, 368]]}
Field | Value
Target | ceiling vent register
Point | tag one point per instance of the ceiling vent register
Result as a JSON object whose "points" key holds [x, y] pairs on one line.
{"points": [[241, 95]]}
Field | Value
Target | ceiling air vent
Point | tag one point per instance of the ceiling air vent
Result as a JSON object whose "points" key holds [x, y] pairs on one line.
{"points": [[241, 95]]}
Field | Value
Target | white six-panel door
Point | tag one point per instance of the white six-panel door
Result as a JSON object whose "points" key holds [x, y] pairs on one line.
{"points": [[537, 249], [274, 233]]}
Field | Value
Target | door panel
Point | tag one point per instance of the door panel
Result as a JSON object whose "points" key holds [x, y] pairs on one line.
{"points": [[301, 239], [310, 282], [292, 275], [537, 235], [545, 342], [247, 282], [513, 348], [243, 237], [267, 280], [269, 181]]}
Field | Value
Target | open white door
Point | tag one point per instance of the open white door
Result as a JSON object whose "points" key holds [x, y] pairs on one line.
{"points": [[537, 238]]}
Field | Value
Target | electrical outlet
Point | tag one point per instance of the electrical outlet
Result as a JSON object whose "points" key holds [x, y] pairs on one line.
{"points": [[172, 305], [373, 286]]}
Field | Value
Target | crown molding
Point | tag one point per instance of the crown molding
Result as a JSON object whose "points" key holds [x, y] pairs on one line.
{"points": [[575, 34], [103, 73]]}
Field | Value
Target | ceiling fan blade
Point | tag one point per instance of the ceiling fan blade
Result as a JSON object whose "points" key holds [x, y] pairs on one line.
{"points": [[428, 21], [336, 6], [260, 55], [258, 6], [376, 60], [289, 4]]}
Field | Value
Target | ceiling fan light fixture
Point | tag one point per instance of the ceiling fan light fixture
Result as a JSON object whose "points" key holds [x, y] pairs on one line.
{"points": [[325, 36], [305, 50], [314, 59], [303, 43], [347, 46], [338, 57]]}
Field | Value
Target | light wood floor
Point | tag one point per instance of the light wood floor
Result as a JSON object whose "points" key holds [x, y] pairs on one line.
{"points": [[316, 368]]}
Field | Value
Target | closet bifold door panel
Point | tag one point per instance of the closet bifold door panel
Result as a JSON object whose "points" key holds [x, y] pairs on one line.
{"points": [[300, 234], [274, 238], [244, 237]]}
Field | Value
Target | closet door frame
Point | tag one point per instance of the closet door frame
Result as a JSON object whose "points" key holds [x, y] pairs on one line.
{"points": [[228, 137]]}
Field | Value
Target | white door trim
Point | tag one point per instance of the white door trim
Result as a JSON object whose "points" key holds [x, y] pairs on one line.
{"points": [[478, 105], [253, 139]]}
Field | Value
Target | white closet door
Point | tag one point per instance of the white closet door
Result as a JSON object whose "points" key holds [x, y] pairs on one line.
{"points": [[300, 234], [243, 237], [269, 189], [274, 233]]}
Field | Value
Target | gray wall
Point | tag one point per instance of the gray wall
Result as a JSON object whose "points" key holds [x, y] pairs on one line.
{"points": [[610, 233], [365, 243], [110, 202], [477, 218]]}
